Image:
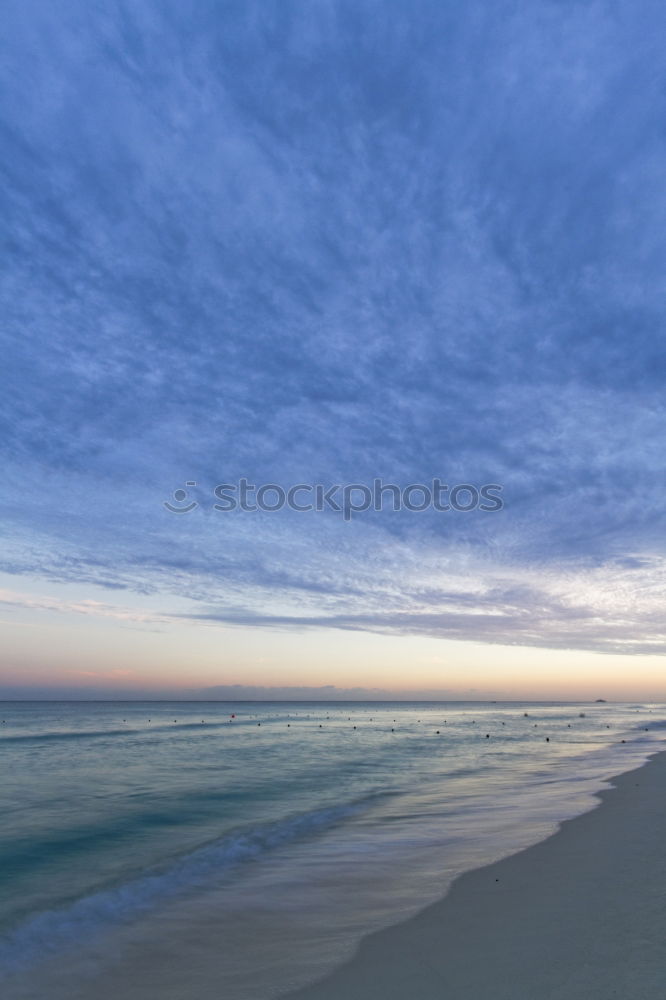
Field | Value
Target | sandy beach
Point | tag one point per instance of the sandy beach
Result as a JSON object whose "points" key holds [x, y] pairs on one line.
{"points": [[579, 916]]}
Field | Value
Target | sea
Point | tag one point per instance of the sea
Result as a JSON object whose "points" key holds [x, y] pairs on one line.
{"points": [[237, 851]]}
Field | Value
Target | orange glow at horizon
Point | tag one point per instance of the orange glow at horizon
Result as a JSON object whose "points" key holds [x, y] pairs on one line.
{"points": [[92, 654]]}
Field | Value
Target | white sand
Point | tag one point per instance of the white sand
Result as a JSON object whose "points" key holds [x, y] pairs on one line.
{"points": [[580, 916]]}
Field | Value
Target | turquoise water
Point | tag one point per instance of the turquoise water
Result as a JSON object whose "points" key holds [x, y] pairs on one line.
{"points": [[251, 845]]}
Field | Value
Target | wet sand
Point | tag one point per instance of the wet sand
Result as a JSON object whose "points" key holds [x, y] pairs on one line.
{"points": [[579, 916]]}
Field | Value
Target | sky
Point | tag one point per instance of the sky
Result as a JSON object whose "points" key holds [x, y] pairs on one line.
{"points": [[330, 243]]}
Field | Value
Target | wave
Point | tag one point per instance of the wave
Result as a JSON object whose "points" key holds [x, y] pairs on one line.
{"points": [[40, 737], [129, 730], [41, 936]]}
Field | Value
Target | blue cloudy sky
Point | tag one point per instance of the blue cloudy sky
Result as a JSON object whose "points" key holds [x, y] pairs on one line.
{"points": [[326, 242]]}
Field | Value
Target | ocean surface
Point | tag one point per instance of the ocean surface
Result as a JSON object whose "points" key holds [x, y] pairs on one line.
{"points": [[237, 851]]}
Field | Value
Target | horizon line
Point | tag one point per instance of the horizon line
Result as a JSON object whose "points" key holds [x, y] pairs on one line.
{"points": [[336, 701]]}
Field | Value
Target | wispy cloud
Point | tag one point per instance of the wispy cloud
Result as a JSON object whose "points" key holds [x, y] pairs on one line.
{"points": [[95, 609], [324, 244]]}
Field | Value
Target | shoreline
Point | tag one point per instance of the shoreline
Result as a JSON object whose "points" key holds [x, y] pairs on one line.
{"points": [[580, 915]]}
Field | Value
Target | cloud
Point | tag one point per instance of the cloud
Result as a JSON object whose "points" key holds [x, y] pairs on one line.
{"points": [[233, 693], [92, 608], [325, 244], [602, 610]]}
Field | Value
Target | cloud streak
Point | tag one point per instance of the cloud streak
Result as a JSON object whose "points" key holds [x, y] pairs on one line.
{"points": [[327, 244]]}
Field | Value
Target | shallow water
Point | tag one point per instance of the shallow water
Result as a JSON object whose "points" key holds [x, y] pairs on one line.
{"points": [[218, 850]]}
